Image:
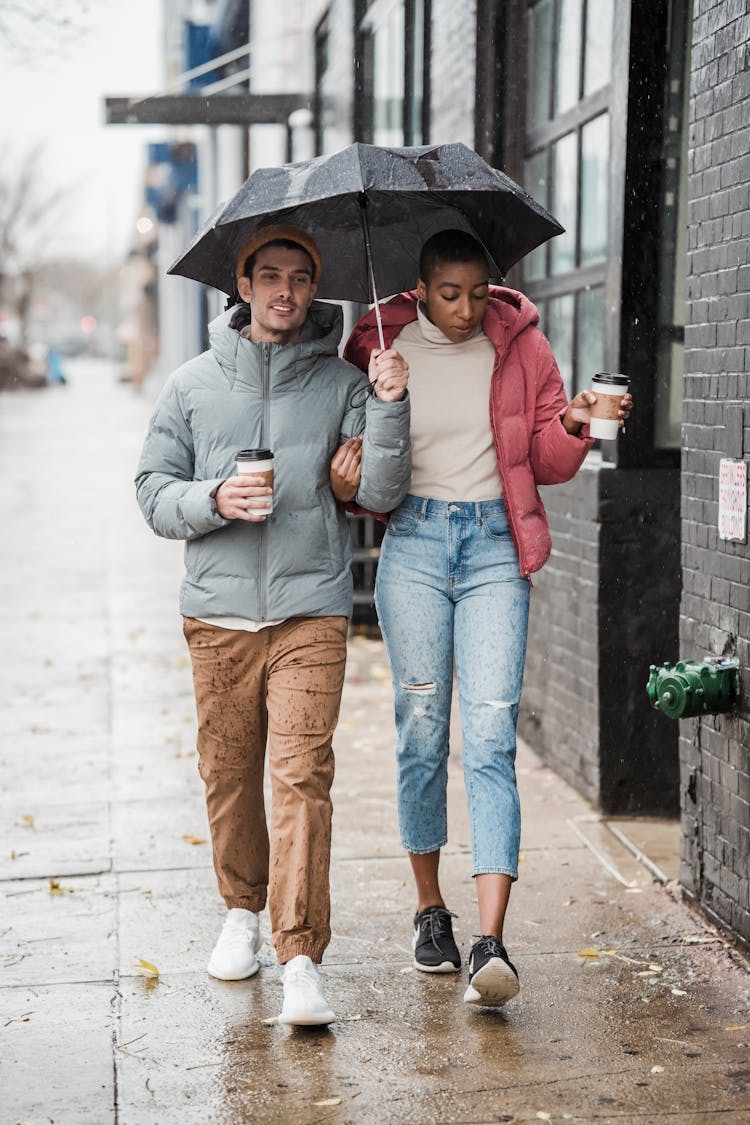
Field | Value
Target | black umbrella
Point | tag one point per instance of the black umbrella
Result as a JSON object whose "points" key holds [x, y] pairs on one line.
{"points": [[370, 210]]}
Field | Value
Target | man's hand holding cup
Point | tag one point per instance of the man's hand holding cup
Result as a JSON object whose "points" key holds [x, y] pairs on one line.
{"points": [[248, 495]]}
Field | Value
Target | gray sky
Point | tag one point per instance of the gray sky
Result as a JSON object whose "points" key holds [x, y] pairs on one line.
{"points": [[53, 93]]}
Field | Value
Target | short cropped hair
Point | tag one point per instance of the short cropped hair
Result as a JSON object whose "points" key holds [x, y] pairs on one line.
{"points": [[285, 244], [449, 246]]}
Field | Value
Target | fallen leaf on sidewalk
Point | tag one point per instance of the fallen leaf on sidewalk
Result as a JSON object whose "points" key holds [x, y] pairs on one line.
{"points": [[590, 954], [650, 966], [194, 839], [56, 889], [146, 968], [328, 1101], [19, 1019], [740, 1027]]}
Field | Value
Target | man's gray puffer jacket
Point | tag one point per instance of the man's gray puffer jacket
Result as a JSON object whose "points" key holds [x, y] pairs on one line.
{"points": [[301, 401]]}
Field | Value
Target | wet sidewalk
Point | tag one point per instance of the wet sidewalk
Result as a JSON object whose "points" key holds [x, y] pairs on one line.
{"points": [[631, 1009]]}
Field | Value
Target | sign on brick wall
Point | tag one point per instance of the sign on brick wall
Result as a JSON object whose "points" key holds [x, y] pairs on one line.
{"points": [[733, 500]]}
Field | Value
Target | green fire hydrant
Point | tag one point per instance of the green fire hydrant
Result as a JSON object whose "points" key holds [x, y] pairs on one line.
{"points": [[694, 687]]}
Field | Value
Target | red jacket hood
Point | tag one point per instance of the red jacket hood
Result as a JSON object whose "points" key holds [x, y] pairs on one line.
{"points": [[508, 314]]}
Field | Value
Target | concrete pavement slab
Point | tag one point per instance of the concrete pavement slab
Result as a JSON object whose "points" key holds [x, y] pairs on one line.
{"points": [[58, 934], [49, 840], [150, 833], [406, 1049], [56, 1055]]}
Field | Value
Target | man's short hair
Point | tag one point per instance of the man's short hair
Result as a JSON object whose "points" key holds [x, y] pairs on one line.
{"points": [[284, 243], [277, 234], [448, 246]]}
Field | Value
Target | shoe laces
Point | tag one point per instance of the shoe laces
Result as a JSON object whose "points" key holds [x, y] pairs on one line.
{"points": [[490, 945], [435, 923], [235, 933], [302, 974]]}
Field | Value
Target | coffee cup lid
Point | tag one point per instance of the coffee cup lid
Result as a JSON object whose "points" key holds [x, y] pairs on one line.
{"points": [[254, 455], [609, 378]]}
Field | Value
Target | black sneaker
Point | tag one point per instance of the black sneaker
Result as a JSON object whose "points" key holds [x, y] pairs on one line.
{"points": [[435, 951], [492, 977]]}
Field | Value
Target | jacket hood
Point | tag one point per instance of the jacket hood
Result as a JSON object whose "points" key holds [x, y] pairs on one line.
{"points": [[508, 314], [320, 336]]}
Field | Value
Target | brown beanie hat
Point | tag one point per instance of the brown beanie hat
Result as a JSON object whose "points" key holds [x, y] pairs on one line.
{"points": [[264, 235]]}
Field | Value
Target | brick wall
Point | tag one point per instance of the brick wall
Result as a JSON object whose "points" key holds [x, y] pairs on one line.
{"points": [[603, 608], [560, 702], [715, 610]]}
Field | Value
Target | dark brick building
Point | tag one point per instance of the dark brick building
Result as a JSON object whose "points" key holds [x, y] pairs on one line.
{"points": [[715, 608]]}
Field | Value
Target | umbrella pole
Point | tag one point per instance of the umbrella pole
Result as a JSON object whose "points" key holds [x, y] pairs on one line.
{"points": [[368, 250]]}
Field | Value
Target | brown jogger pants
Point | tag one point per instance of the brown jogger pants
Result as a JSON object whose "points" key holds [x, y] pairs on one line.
{"points": [[281, 685]]}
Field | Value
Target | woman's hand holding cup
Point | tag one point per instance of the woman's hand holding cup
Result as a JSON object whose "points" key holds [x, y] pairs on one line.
{"points": [[579, 413]]}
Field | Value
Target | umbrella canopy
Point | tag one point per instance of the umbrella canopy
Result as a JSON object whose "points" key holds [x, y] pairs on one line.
{"points": [[404, 195]]}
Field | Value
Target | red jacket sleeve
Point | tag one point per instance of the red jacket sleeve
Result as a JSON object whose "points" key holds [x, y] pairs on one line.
{"points": [[556, 455]]}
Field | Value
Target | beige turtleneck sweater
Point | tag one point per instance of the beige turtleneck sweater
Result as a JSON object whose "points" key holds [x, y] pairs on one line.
{"points": [[452, 449]]}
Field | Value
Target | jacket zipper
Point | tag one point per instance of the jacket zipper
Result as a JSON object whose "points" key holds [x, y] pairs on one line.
{"points": [[265, 425]]}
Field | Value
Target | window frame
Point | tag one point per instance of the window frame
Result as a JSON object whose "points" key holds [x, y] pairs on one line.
{"points": [[367, 15]]}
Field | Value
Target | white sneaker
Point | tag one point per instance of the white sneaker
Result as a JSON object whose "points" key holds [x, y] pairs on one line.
{"points": [[304, 1002], [233, 957]]}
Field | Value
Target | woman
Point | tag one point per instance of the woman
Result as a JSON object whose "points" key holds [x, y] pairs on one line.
{"points": [[454, 573]]}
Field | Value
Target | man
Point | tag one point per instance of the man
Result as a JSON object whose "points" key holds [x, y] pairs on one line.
{"points": [[266, 598]]}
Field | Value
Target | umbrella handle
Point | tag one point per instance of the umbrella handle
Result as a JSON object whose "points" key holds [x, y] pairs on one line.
{"points": [[371, 271]]}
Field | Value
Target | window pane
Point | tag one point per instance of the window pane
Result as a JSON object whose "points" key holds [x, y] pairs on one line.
{"points": [[568, 86], [559, 332], [590, 357], [536, 184], [388, 75], [417, 72], [564, 202], [673, 231], [597, 64], [539, 63], [594, 189]]}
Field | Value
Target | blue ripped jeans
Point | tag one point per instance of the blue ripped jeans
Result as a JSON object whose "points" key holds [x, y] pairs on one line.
{"points": [[449, 589]]}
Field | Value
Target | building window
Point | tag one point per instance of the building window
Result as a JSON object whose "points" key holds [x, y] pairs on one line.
{"points": [[395, 50], [566, 167], [670, 367], [330, 109]]}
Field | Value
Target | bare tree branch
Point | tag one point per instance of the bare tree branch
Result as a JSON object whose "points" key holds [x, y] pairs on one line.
{"points": [[31, 219], [29, 27]]}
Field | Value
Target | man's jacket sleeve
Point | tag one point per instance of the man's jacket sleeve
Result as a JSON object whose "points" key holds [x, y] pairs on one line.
{"points": [[386, 455], [175, 505]]}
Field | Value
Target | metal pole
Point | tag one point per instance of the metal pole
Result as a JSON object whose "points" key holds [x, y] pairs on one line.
{"points": [[371, 271]]}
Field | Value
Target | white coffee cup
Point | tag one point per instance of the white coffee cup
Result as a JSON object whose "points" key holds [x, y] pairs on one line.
{"points": [[609, 389], [259, 462]]}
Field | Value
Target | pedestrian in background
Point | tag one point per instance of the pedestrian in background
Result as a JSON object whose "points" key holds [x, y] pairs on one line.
{"points": [[453, 578], [266, 598]]}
